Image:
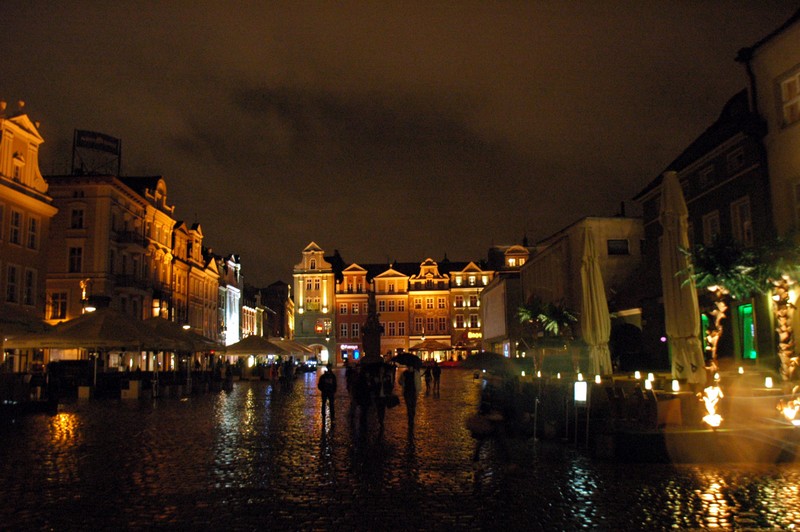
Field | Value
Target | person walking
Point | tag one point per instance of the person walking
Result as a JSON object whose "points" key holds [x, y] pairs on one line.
{"points": [[327, 385], [437, 377], [428, 376], [408, 381]]}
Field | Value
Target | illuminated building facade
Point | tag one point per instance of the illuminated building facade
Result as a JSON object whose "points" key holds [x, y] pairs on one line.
{"points": [[466, 286], [398, 287], [195, 282], [314, 289], [279, 310], [391, 289], [429, 298], [351, 312], [99, 247], [26, 211], [230, 299]]}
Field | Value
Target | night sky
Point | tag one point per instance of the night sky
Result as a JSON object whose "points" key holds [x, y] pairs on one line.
{"points": [[388, 132]]}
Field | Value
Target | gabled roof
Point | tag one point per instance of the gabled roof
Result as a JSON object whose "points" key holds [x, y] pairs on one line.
{"points": [[312, 247], [735, 118], [24, 123]]}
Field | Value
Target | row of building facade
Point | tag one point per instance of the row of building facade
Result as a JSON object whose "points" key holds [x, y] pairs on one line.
{"points": [[75, 241], [741, 182], [72, 243]]}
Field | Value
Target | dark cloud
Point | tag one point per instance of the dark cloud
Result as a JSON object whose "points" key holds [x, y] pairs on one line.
{"points": [[388, 131]]}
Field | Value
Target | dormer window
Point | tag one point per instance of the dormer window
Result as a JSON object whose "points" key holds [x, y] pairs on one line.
{"points": [[313, 264]]}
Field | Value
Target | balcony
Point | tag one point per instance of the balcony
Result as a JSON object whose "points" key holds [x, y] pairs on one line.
{"points": [[131, 281], [131, 238]]}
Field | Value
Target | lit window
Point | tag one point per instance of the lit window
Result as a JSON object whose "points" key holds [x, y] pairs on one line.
{"points": [[355, 308], [512, 262], [57, 306], [472, 279]]}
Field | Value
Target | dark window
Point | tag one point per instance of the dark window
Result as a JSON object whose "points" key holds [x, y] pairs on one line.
{"points": [[618, 247]]}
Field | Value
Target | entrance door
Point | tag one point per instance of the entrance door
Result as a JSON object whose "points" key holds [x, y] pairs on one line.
{"points": [[747, 332]]}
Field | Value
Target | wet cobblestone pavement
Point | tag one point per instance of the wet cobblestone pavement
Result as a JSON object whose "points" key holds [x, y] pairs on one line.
{"points": [[258, 458]]}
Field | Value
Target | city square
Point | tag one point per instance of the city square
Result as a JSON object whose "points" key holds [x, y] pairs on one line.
{"points": [[474, 266], [260, 458]]}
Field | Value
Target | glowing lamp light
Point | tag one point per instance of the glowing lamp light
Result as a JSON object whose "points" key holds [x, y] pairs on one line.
{"points": [[790, 410], [523, 372], [186, 327], [741, 370], [663, 339], [716, 376], [580, 376], [651, 377], [711, 397], [648, 385], [637, 375], [597, 379], [558, 375], [580, 392], [768, 382], [676, 386], [539, 374]]}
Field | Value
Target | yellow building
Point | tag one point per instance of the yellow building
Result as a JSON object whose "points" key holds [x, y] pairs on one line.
{"points": [[26, 210], [391, 299], [314, 289]]}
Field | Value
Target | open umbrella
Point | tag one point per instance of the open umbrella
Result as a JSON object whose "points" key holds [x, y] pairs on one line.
{"points": [[254, 345], [407, 359], [185, 340], [103, 329], [488, 361], [595, 321], [681, 311], [430, 345]]}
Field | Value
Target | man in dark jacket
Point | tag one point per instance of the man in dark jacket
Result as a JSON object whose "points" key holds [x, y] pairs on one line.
{"points": [[327, 385]]}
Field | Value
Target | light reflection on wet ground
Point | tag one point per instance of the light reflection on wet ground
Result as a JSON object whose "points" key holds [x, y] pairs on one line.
{"points": [[259, 457]]}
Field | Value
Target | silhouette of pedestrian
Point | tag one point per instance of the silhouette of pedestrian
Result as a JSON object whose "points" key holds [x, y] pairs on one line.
{"points": [[408, 381], [428, 376], [437, 377], [327, 385]]}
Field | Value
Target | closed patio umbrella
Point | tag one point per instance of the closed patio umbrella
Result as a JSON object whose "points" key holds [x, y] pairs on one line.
{"points": [[681, 311], [595, 320]]}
